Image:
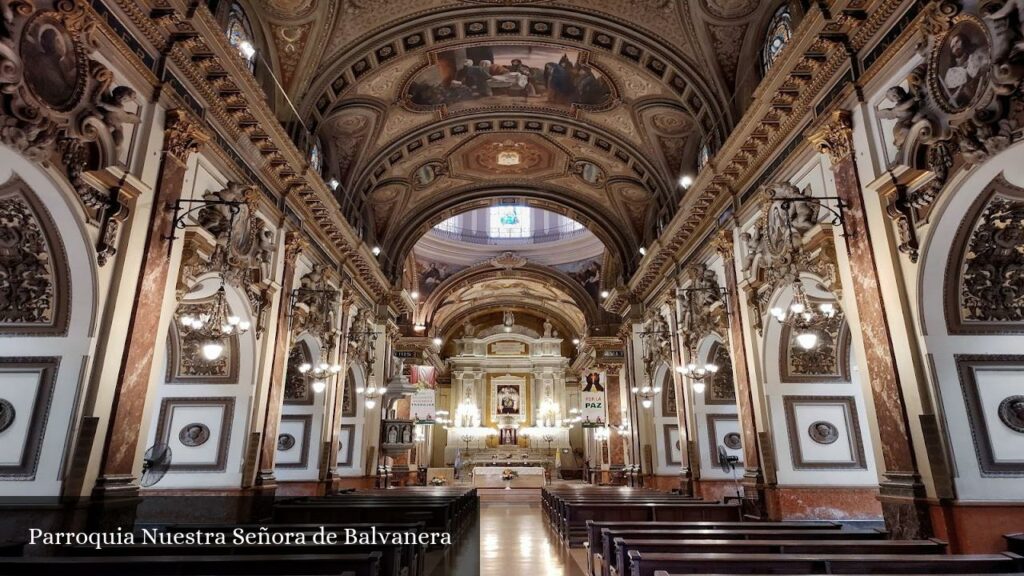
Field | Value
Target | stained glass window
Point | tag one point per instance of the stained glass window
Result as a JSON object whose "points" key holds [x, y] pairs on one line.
{"points": [[510, 222], [240, 32], [703, 156], [779, 32], [316, 160]]}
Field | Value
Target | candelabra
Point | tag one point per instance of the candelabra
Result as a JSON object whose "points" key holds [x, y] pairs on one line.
{"points": [[213, 324], [804, 318], [320, 374]]}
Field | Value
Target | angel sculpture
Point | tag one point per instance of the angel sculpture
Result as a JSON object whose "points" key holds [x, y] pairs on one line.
{"points": [[906, 110]]}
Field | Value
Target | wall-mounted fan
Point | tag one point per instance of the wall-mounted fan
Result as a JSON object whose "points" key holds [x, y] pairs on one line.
{"points": [[155, 464], [728, 464]]}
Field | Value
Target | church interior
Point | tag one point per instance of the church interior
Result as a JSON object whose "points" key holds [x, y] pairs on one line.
{"points": [[562, 287]]}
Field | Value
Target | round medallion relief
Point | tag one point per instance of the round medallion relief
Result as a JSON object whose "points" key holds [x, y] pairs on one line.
{"points": [[6, 415], [56, 74], [194, 435], [732, 441], [1011, 412], [823, 432], [285, 442]]}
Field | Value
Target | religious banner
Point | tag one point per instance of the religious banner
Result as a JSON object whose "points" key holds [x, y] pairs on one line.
{"points": [[422, 406], [423, 376], [592, 400]]}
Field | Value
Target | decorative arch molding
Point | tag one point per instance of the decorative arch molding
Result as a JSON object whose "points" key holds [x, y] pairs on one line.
{"points": [[604, 142], [487, 271], [456, 201], [449, 325], [39, 303], [569, 27]]}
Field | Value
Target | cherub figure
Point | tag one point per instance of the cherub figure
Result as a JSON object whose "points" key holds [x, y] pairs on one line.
{"points": [[113, 110], [1011, 12], [906, 110]]}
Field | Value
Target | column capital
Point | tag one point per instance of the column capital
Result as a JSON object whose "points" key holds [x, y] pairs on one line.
{"points": [[724, 244], [834, 136], [294, 245], [183, 134]]}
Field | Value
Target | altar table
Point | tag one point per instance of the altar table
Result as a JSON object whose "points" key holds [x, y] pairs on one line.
{"points": [[490, 477]]}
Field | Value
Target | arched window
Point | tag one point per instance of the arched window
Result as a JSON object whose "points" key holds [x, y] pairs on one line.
{"points": [[703, 156], [510, 222], [779, 32], [316, 160], [240, 36]]}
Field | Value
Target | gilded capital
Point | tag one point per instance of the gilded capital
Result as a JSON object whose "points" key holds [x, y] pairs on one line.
{"points": [[834, 136], [724, 244], [182, 134], [294, 244]]}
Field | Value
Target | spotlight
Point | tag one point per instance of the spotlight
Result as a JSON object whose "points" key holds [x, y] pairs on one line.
{"points": [[333, 184], [605, 293], [438, 341], [686, 181], [415, 295], [643, 251], [376, 250], [318, 386]]}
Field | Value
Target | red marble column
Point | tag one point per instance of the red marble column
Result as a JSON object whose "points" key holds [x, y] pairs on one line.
{"points": [[294, 244], [901, 492], [756, 492], [616, 441], [182, 137]]}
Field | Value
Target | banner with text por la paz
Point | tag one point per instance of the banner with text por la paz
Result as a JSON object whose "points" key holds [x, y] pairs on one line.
{"points": [[592, 401]]}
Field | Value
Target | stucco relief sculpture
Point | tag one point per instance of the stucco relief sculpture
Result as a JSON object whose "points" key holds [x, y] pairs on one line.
{"points": [[823, 432], [194, 435], [1011, 413], [27, 277], [992, 276], [7, 413]]}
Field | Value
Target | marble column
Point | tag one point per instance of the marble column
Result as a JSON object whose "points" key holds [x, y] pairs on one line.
{"points": [[330, 461], [182, 136], [686, 486], [757, 500], [293, 246], [902, 493], [613, 395]]}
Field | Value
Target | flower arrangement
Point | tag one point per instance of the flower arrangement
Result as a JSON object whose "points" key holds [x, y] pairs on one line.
{"points": [[509, 474], [438, 481]]}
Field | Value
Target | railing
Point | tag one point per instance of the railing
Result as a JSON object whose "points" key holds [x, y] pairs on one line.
{"points": [[510, 235]]}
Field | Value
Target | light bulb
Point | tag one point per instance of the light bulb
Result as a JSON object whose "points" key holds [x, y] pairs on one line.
{"points": [[336, 368], [227, 328], [807, 340], [212, 350], [371, 390], [647, 403], [370, 403], [324, 366], [438, 341], [508, 328], [376, 250], [828, 309], [797, 307], [186, 321], [778, 313], [333, 183], [414, 295], [605, 293], [247, 49], [656, 389], [419, 327], [576, 341], [234, 320], [643, 251], [712, 368], [686, 181], [698, 387], [360, 390], [382, 390], [635, 390], [244, 325], [645, 389], [318, 386]]}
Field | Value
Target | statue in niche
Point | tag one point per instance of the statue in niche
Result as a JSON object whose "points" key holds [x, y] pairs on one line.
{"points": [[392, 434], [547, 328], [407, 435], [468, 329]]}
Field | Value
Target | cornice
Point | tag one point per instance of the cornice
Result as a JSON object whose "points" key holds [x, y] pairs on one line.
{"points": [[782, 104], [235, 104]]}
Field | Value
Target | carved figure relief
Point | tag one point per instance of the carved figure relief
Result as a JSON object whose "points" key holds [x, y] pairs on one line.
{"points": [[7, 414], [33, 268], [732, 441], [194, 435], [1011, 413], [823, 432], [285, 442]]}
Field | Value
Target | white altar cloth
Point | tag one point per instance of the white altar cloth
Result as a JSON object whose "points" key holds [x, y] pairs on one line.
{"points": [[490, 477]]}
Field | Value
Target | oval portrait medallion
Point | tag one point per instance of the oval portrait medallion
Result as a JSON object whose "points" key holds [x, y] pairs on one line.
{"points": [[56, 75], [960, 65], [285, 442], [6, 415], [732, 441], [823, 432], [194, 435], [1011, 412]]}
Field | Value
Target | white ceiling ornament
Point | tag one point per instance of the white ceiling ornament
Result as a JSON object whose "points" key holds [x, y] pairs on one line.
{"points": [[508, 260]]}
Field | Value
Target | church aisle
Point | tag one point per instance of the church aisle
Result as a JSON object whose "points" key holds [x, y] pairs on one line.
{"points": [[514, 539]]}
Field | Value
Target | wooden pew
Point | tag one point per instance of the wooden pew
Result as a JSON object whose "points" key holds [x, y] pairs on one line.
{"points": [[595, 530], [673, 564], [1015, 542], [574, 529], [606, 547], [622, 548], [255, 565]]}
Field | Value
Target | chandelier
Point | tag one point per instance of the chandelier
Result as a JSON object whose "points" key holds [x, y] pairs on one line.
{"points": [[320, 374], [806, 319], [371, 393], [646, 394], [213, 324]]}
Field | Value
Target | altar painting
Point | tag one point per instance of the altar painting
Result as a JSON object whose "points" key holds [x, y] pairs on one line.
{"points": [[508, 399]]}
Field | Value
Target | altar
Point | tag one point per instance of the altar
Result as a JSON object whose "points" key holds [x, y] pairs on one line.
{"points": [[490, 477]]}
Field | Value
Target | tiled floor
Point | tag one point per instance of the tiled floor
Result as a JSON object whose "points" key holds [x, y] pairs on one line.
{"points": [[514, 539]]}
